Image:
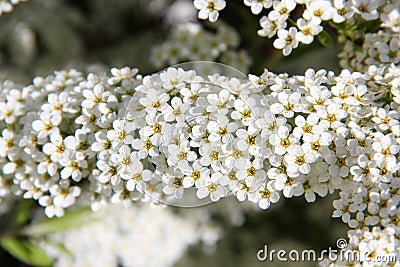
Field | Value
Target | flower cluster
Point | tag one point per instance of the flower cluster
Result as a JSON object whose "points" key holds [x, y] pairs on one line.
{"points": [[381, 48], [191, 42], [311, 19], [47, 133], [116, 138], [369, 248]]}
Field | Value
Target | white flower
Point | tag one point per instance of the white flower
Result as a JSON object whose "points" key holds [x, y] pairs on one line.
{"points": [[155, 127], [195, 172], [121, 133], [154, 100], [281, 182], [221, 130], [138, 180], [64, 195], [332, 115], [177, 111], [211, 155], [253, 175], [50, 209], [389, 52], [46, 165], [298, 160], [146, 147], [385, 119], [386, 149], [314, 142], [318, 96], [127, 162], [8, 143], [270, 27], [307, 127], [235, 157], [108, 172], [364, 169], [248, 143], [121, 74], [180, 155], [343, 10], [244, 111], [47, 124], [367, 8], [56, 148], [391, 20], [124, 196], [96, 99], [221, 102], [281, 10], [338, 168], [319, 10], [80, 144], [266, 196], [287, 40], [9, 111], [269, 123], [18, 164], [308, 29], [210, 186], [173, 185], [288, 104], [174, 78], [101, 146], [282, 140], [72, 166], [343, 94], [58, 103], [258, 5], [208, 9]]}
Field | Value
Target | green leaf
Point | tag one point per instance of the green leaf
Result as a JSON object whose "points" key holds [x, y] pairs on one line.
{"points": [[26, 251], [325, 39], [71, 219], [22, 214]]}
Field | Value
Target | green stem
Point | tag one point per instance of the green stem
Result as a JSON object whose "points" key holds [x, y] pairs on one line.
{"points": [[292, 21]]}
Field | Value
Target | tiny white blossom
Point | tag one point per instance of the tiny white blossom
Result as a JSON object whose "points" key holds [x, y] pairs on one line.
{"points": [[211, 187], [308, 29], [368, 9], [208, 9], [318, 11], [287, 40], [257, 5], [298, 160]]}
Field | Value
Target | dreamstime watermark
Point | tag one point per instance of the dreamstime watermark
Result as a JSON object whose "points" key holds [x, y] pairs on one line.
{"points": [[311, 255]]}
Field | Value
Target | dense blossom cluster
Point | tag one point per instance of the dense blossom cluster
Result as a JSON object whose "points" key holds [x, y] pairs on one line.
{"points": [[191, 42], [187, 137], [310, 17], [377, 49], [117, 138], [123, 138], [376, 247]]}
